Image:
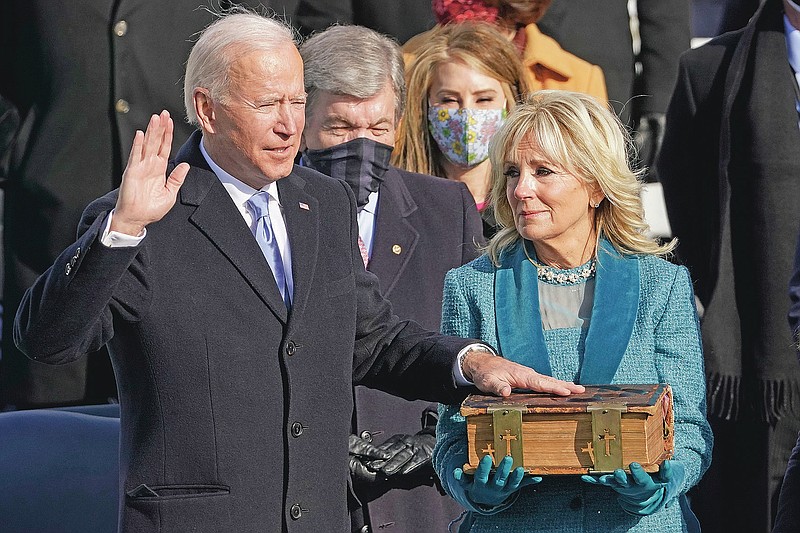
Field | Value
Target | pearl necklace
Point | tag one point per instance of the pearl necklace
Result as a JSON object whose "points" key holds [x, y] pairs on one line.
{"points": [[557, 276]]}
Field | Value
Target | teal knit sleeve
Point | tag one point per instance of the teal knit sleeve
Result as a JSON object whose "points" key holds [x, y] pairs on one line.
{"points": [[679, 362], [457, 320], [451, 431]]}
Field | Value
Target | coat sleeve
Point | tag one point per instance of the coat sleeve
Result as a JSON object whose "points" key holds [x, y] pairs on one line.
{"points": [[393, 355], [679, 362], [68, 310], [451, 432]]}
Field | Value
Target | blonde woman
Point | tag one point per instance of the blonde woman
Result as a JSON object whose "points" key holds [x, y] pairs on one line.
{"points": [[572, 287], [462, 81]]}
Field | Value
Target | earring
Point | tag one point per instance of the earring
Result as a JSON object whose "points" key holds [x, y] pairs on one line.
{"points": [[597, 205]]}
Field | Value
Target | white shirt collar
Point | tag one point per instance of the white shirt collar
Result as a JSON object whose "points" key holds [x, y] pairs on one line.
{"points": [[372, 203], [239, 191]]}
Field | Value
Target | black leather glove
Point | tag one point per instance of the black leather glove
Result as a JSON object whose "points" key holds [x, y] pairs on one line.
{"points": [[361, 452], [648, 137], [408, 454]]}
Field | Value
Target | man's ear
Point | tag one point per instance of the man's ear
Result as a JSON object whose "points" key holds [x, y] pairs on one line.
{"points": [[204, 108]]}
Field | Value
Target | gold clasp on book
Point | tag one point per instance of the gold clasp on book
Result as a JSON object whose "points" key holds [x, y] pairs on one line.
{"points": [[605, 447], [507, 429]]}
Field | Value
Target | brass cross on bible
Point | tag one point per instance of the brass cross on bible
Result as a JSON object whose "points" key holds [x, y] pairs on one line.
{"points": [[607, 437], [508, 437], [589, 449]]}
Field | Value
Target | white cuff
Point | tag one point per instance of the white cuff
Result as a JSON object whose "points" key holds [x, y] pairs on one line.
{"points": [[458, 374], [115, 239]]}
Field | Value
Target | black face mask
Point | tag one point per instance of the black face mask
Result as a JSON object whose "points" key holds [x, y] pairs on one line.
{"points": [[361, 163]]}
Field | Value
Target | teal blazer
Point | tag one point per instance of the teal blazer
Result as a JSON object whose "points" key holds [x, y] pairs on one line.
{"points": [[643, 329]]}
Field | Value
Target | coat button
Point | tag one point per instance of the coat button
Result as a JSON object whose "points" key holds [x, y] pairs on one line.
{"points": [[295, 511], [366, 435], [291, 348], [120, 28], [576, 503], [297, 429], [122, 106]]}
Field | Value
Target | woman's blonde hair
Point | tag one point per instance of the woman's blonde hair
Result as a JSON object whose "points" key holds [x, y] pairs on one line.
{"points": [[481, 47], [587, 139]]}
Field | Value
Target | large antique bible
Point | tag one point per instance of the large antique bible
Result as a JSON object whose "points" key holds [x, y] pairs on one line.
{"points": [[605, 428]]}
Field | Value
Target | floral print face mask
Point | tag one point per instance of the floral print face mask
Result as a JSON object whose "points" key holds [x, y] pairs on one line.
{"points": [[463, 135]]}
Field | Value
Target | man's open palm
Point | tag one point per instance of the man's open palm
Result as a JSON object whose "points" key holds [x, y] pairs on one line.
{"points": [[146, 193]]}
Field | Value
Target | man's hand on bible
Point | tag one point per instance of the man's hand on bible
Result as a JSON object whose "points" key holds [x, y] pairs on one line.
{"points": [[496, 375]]}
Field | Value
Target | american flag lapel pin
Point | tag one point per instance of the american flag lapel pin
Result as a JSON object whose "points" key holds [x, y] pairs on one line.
{"points": [[304, 206]]}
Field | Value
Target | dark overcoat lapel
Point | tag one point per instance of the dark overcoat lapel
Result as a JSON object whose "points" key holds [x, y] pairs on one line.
{"points": [[302, 225], [207, 194], [393, 229]]}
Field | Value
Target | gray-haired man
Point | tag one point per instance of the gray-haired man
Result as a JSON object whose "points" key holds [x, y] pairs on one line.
{"points": [[413, 228]]}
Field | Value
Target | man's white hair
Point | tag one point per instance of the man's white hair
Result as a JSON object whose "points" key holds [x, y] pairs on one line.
{"points": [[218, 47]]}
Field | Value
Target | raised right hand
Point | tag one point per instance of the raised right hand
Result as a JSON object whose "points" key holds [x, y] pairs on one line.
{"points": [[146, 193]]}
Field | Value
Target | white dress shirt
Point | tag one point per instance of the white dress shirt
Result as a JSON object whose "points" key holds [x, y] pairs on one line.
{"points": [[366, 221]]}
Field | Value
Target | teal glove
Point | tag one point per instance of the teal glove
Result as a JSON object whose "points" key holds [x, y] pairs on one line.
{"points": [[640, 493], [481, 490]]}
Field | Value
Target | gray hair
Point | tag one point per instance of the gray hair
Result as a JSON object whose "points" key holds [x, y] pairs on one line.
{"points": [[353, 61], [220, 44]]}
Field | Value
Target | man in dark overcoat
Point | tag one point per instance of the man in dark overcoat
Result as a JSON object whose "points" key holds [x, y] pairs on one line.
{"points": [[730, 168], [414, 228], [232, 295], [81, 77]]}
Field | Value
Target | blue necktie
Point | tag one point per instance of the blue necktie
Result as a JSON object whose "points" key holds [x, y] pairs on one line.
{"points": [[259, 207]]}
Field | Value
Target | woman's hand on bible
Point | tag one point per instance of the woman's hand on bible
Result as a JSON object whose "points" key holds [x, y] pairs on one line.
{"points": [[640, 493], [486, 489]]}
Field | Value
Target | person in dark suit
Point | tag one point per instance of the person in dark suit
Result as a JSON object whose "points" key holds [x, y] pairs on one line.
{"points": [[81, 79], [730, 168], [230, 290], [414, 229], [600, 32]]}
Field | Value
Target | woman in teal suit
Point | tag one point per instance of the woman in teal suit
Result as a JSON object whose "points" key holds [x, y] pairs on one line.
{"points": [[574, 288]]}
